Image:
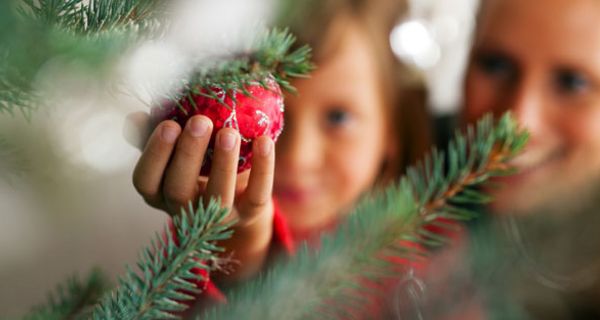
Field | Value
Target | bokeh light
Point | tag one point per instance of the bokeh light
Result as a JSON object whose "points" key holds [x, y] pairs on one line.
{"points": [[414, 42]]}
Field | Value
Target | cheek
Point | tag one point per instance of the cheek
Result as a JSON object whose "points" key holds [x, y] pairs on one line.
{"points": [[356, 165], [581, 136], [480, 96]]}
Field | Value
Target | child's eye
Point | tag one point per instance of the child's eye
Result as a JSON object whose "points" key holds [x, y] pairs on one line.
{"points": [[570, 81], [337, 117], [496, 65]]}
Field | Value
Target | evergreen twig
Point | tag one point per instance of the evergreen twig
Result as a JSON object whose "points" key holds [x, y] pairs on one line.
{"points": [[42, 30], [12, 162], [95, 31], [272, 55], [73, 300], [95, 16], [330, 282], [166, 281], [15, 90]]}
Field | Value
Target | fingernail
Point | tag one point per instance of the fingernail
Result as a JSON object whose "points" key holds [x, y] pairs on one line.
{"points": [[227, 140], [169, 134], [265, 147], [198, 127]]}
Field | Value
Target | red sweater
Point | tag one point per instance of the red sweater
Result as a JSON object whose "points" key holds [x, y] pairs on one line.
{"points": [[378, 308], [282, 238]]}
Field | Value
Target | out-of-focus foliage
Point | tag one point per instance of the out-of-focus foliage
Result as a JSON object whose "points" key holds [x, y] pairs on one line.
{"points": [[34, 33]]}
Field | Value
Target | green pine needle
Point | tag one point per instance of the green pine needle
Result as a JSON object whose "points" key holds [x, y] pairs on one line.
{"points": [[331, 283], [111, 15], [12, 162], [73, 300], [165, 281], [89, 32], [92, 32], [15, 90], [271, 56], [96, 16]]}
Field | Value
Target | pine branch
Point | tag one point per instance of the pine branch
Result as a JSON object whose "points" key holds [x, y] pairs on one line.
{"points": [[15, 91], [22, 57], [50, 12], [96, 16], [272, 55], [473, 159], [90, 32], [124, 15], [73, 300], [12, 162], [330, 282], [12, 92], [166, 280]]}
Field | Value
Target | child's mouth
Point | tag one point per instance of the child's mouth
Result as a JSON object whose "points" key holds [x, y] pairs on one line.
{"points": [[294, 195], [529, 164]]}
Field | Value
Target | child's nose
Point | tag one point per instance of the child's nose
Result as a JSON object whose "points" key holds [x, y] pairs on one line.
{"points": [[529, 106], [299, 149]]}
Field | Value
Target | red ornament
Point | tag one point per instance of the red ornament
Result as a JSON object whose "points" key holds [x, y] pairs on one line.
{"points": [[254, 115]]}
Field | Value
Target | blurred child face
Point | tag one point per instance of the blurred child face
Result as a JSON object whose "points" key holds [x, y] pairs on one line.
{"points": [[541, 60], [335, 138]]}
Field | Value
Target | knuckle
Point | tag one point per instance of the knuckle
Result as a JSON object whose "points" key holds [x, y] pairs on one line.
{"points": [[154, 202], [258, 202], [250, 214], [143, 188], [187, 151], [264, 173], [178, 197], [223, 169], [154, 151]]}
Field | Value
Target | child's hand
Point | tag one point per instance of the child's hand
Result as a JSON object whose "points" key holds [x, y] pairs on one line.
{"points": [[167, 177]]}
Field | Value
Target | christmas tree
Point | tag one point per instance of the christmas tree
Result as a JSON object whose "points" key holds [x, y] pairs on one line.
{"points": [[444, 185], [382, 227]]}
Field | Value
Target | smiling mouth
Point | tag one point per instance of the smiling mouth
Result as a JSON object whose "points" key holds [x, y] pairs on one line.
{"points": [[294, 195], [530, 163]]}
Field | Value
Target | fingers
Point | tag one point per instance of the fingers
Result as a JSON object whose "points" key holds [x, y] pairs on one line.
{"points": [[241, 183], [257, 196], [223, 174], [136, 130], [148, 173], [167, 174], [181, 178]]}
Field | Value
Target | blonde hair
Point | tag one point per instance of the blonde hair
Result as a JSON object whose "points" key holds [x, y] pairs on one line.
{"points": [[403, 88]]}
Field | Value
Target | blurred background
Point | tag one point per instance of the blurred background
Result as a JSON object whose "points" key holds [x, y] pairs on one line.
{"points": [[67, 203]]}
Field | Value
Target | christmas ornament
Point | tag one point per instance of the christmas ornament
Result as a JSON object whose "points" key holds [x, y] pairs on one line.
{"points": [[255, 111], [243, 91]]}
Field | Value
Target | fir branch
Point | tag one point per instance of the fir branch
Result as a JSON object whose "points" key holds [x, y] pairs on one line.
{"points": [[50, 12], [111, 15], [96, 16], [473, 159], [73, 300], [330, 282], [272, 55], [12, 162], [12, 89], [166, 281], [15, 91], [89, 32], [24, 54]]}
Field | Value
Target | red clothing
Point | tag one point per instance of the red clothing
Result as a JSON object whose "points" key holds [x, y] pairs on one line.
{"points": [[282, 238], [378, 308]]}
